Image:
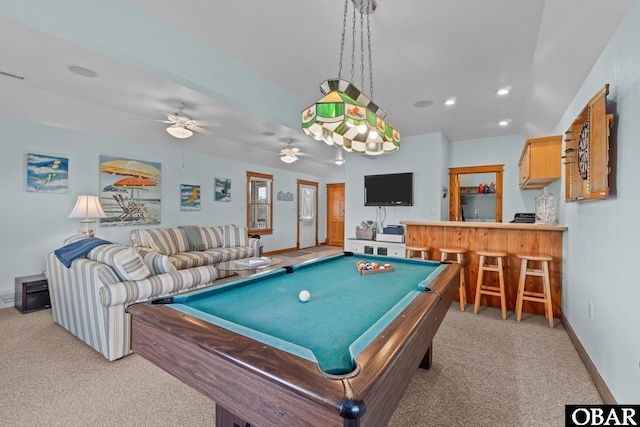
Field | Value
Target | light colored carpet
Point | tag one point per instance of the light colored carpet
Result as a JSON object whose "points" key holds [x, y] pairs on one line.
{"points": [[324, 249], [296, 254], [486, 372]]}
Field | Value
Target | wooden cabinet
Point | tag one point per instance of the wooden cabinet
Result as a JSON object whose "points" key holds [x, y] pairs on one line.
{"points": [[32, 293], [587, 152], [374, 247], [540, 162]]}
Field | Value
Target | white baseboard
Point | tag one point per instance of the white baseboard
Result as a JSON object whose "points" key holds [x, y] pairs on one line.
{"points": [[7, 300]]}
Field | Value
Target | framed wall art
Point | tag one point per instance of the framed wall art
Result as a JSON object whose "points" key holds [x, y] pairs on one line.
{"points": [[47, 174], [130, 191], [189, 197], [222, 190]]}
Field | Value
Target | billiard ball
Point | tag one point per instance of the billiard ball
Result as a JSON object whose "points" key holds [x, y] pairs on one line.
{"points": [[304, 296]]}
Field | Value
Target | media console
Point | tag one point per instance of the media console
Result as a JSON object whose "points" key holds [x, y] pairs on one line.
{"points": [[374, 247]]}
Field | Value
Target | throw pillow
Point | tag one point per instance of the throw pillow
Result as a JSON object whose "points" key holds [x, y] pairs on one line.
{"points": [[235, 236], [168, 241], [213, 237], [158, 263], [130, 265]]}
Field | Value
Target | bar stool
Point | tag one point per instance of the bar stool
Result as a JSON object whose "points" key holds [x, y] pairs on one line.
{"points": [[542, 297], [497, 291], [412, 250], [459, 253]]}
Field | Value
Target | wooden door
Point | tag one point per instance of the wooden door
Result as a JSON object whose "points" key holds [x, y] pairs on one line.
{"points": [[335, 214], [455, 205]]}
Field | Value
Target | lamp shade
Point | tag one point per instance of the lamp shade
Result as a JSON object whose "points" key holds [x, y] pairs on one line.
{"points": [[87, 207], [178, 131]]}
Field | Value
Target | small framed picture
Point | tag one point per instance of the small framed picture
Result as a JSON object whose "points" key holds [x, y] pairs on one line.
{"points": [[189, 197], [222, 190], [47, 174]]}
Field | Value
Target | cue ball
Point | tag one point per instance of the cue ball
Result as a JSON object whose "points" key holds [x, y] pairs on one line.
{"points": [[304, 296]]}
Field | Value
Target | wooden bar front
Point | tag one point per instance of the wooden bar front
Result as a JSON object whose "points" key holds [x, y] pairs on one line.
{"points": [[511, 238]]}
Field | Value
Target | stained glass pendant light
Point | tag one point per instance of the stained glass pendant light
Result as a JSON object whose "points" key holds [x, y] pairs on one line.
{"points": [[345, 117]]}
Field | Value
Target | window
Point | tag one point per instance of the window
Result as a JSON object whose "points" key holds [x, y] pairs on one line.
{"points": [[259, 207]]}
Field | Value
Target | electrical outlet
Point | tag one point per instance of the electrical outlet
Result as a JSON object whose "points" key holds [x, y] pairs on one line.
{"points": [[590, 310]]}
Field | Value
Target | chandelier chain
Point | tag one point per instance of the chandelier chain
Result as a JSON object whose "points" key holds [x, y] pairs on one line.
{"points": [[344, 27], [369, 46], [361, 49], [353, 44]]}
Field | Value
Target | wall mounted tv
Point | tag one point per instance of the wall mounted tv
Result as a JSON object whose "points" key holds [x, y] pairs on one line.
{"points": [[394, 189]]}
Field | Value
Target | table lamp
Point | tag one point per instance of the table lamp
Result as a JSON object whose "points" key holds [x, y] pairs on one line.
{"points": [[87, 207]]}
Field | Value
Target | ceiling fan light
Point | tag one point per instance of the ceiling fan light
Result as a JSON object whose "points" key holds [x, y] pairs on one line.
{"points": [[289, 158], [178, 131]]}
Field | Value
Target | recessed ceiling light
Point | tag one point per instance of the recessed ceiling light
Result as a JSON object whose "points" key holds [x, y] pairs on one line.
{"points": [[423, 104], [81, 71], [503, 91], [450, 101], [503, 122]]}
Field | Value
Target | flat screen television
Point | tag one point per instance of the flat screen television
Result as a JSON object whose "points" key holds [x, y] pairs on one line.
{"points": [[394, 189]]}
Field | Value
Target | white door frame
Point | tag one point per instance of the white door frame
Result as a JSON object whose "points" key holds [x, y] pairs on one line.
{"points": [[307, 214]]}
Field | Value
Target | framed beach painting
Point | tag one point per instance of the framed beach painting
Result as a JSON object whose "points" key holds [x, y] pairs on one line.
{"points": [[47, 174], [130, 191], [222, 190], [189, 197]]}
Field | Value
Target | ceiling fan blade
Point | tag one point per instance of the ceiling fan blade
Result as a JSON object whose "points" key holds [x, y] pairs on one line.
{"points": [[305, 154], [201, 130], [149, 120], [168, 114], [207, 123]]}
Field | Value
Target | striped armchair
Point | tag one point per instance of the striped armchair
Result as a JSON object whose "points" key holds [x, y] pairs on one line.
{"points": [[90, 298]]}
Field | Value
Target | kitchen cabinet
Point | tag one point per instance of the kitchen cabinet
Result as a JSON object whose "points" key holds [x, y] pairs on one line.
{"points": [[540, 162]]}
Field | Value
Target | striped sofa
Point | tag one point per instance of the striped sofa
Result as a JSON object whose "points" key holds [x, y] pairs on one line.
{"points": [[90, 298]]}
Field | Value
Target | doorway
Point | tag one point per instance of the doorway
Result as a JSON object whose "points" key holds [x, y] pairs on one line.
{"points": [[335, 214], [307, 214], [462, 194]]}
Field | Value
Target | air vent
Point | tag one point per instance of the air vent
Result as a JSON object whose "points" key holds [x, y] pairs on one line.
{"points": [[11, 75]]}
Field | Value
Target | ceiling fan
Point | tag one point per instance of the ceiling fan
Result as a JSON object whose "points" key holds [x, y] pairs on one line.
{"points": [[182, 125], [290, 154]]}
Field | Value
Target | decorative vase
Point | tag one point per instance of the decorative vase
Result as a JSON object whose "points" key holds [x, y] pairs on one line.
{"points": [[546, 208]]}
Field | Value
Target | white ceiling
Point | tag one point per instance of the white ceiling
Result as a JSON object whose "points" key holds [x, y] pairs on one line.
{"points": [[422, 50]]}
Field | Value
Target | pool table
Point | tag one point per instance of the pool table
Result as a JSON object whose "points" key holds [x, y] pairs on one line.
{"points": [[343, 358]]}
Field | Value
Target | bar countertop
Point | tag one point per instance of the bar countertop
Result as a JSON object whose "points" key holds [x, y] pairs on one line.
{"points": [[483, 224]]}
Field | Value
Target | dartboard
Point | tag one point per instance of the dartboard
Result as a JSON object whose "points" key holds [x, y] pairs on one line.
{"points": [[583, 151]]}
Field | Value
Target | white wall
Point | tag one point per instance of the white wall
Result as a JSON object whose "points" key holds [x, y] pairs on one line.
{"points": [[36, 223], [602, 246]]}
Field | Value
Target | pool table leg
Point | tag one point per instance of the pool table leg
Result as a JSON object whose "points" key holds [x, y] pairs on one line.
{"points": [[428, 358], [226, 418]]}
